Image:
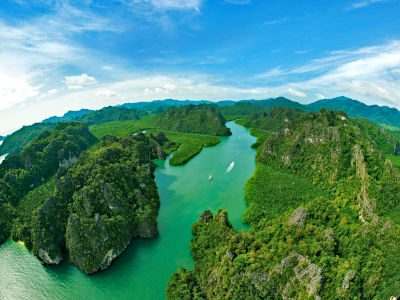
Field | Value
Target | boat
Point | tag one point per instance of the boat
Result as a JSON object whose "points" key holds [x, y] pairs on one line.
{"points": [[210, 178], [230, 167]]}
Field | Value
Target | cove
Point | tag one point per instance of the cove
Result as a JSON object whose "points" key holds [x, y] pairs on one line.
{"points": [[143, 270]]}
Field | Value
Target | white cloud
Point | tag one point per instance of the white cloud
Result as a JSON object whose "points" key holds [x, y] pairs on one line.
{"points": [[276, 21], [366, 3], [369, 74], [52, 92], [33, 51], [79, 81], [107, 93], [167, 4], [275, 72], [238, 2], [107, 68], [296, 93]]}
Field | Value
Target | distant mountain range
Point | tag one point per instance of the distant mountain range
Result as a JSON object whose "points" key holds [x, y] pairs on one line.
{"points": [[382, 115], [71, 115], [160, 105], [379, 114]]}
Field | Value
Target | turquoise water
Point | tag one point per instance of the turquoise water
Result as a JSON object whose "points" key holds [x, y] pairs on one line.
{"points": [[143, 270]]}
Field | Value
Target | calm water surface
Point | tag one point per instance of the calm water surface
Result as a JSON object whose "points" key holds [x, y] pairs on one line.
{"points": [[143, 270]]}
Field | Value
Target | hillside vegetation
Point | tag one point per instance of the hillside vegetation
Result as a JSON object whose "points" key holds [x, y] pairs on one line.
{"points": [[183, 145], [20, 138], [36, 163], [93, 207], [68, 116], [111, 113], [204, 119], [330, 234]]}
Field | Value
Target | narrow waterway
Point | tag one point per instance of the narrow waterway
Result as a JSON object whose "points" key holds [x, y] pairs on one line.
{"points": [[143, 270]]}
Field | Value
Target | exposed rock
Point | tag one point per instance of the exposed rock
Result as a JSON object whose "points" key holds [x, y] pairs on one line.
{"points": [[366, 205], [298, 218], [286, 131], [65, 163], [306, 273], [286, 159], [330, 236], [346, 281], [229, 254], [47, 259], [146, 229]]}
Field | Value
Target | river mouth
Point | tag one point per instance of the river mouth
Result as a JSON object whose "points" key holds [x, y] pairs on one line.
{"points": [[143, 270]]}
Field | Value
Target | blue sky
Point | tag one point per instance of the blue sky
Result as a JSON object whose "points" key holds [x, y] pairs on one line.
{"points": [[57, 55]]}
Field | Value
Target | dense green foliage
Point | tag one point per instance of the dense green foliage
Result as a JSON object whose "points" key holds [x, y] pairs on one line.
{"points": [[184, 145], [114, 198], [239, 110], [24, 171], [68, 116], [269, 193], [104, 115], [22, 225], [94, 207], [157, 106], [271, 120], [187, 145], [321, 207], [204, 119], [20, 138], [111, 113], [122, 128]]}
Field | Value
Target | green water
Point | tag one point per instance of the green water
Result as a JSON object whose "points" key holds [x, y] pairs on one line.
{"points": [[143, 270]]}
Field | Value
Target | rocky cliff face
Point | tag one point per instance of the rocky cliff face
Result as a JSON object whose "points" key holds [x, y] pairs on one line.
{"points": [[102, 201], [115, 199]]}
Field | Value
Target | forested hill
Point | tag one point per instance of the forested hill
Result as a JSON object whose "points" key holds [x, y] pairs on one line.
{"points": [[106, 114], [71, 115], [60, 199], [36, 163], [111, 113], [17, 140], [230, 110], [276, 119], [161, 105], [324, 220], [204, 119]]}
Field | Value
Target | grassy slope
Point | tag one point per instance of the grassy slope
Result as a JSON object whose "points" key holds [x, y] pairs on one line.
{"points": [[188, 144]]}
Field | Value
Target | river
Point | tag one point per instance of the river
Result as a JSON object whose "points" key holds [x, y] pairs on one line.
{"points": [[143, 270]]}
